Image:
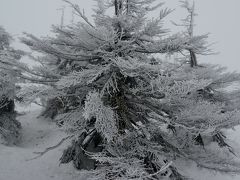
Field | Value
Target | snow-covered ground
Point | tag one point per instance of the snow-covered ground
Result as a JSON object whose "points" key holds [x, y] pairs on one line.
{"points": [[39, 134]]}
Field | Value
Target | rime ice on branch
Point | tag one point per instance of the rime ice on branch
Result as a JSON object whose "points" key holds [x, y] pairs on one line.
{"points": [[9, 126]]}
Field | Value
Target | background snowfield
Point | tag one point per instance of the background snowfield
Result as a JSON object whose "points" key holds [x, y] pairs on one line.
{"points": [[38, 134]]}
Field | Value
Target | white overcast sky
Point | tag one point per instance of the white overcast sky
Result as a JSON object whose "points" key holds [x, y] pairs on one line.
{"points": [[220, 18]]}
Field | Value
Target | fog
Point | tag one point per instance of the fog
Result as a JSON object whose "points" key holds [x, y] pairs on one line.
{"points": [[219, 18]]}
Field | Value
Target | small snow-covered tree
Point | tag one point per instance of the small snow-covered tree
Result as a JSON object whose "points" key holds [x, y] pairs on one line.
{"points": [[9, 126], [133, 113]]}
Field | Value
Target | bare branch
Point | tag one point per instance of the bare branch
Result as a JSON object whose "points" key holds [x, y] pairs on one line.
{"points": [[81, 14], [50, 148]]}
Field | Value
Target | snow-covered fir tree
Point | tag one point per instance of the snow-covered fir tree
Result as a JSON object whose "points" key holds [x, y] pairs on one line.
{"points": [[9, 126], [134, 115]]}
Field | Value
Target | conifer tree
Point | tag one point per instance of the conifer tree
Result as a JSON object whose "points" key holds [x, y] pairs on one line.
{"points": [[132, 113], [9, 126]]}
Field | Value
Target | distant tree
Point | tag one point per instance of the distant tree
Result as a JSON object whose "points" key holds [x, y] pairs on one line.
{"points": [[132, 113], [9, 126]]}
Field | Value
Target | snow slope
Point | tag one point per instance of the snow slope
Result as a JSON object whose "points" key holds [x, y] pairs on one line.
{"points": [[39, 134]]}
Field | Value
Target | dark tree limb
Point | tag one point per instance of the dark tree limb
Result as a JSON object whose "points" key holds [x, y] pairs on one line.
{"points": [[50, 148]]}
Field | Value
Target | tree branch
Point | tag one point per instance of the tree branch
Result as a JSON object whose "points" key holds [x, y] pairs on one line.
{"points": [[50, 148]]}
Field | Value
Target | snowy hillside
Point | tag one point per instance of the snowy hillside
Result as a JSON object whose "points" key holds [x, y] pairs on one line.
{"points": [[38, 134]]}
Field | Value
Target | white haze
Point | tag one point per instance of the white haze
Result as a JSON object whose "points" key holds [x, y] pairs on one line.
{"points": [[219, 18]]}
